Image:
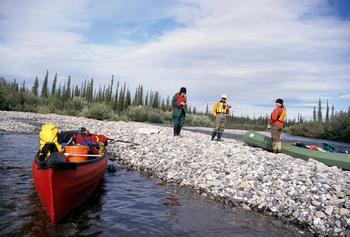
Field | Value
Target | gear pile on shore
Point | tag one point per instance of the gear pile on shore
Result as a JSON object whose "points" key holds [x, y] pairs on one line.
{"points": [[306, 193]]}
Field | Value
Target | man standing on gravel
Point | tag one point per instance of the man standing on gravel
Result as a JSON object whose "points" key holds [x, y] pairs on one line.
{"points": [[220, 111], [276, 121], [179, 113]]}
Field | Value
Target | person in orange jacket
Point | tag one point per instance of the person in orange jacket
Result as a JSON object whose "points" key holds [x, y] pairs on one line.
{"points": [[220, 111], [276, 122]]}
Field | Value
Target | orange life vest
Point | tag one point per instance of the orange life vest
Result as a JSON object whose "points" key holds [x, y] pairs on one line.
{"points": [[179, 99], [277, 116]]}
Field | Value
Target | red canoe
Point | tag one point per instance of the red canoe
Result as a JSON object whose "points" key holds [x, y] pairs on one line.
{"points": [[63, 186]]}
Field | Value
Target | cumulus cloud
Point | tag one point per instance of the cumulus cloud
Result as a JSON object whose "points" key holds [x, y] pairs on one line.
{"points": [[253, 51]]}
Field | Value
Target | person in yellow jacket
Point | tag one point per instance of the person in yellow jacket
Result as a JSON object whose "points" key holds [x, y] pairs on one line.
{"points": [[220, 111]]}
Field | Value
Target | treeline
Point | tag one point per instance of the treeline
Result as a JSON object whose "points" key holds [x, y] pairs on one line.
{"points": [[119, 98], [328, 124], [113, 101]]}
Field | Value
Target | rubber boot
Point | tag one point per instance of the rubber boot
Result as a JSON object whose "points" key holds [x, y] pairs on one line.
{"points": [[274, 147], [175, 131], [219, 137], [178, 130], [213, 135], [279, 147]]}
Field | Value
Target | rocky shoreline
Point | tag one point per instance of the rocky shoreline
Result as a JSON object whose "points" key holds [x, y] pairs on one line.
{"points": [[309, 194]]}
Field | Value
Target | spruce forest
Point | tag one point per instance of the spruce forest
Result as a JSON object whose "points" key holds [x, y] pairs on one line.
{"points": [[116, 101]]}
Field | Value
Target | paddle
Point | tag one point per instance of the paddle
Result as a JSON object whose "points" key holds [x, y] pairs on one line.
{"points": [[122, 141]]}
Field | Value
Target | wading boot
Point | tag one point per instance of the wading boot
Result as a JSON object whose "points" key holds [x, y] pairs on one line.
{"points": [[178, 130], [175, 131], [213, 135], [219, 137], [279, 147], [274, 147]]}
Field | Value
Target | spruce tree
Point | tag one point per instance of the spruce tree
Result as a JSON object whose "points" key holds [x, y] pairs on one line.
{"points": [[155, 101], [327, 113], [121, 102], [127, 99], [67, 94], [76, 91], [90, 90], [162, 105], [115, 102], [35, 86], [58, 94], [314, 114], [54, 83], [110, 91], [44, 89], [319, 111], [168, 106], [83, 90], [146, 99]]}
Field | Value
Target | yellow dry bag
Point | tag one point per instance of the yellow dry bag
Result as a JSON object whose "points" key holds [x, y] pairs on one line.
{"points": [[48, 134]]}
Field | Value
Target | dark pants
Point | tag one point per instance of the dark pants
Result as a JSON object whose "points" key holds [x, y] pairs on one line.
{"points": [[178, 122]]}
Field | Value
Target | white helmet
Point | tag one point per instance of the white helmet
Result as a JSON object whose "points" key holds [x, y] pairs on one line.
{"points": [[223, 97]]}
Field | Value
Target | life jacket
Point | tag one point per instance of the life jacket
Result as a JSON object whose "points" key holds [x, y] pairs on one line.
{"points": [[277, 116], [222, 108], [283, 115], [179, 99]]}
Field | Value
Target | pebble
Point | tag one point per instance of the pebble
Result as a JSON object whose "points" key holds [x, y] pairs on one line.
{"points": [[304, 192], [344, 212], [320, 214]]}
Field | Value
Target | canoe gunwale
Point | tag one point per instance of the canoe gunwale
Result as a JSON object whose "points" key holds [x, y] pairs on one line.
{"points": [[63, 165]]}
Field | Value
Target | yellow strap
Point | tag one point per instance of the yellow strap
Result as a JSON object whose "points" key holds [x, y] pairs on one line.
{"points": [[282, 116]]}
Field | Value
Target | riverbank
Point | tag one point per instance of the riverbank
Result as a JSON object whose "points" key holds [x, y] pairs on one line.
{"points": [[309, 194]]}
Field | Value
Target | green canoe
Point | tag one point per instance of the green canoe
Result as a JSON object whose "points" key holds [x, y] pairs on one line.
{"points": [[328, 158]]}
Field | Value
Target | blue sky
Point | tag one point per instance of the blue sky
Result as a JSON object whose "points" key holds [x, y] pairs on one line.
{"points": [[254, 51]]}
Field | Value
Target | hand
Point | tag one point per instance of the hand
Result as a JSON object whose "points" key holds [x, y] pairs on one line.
{"points": [[183, 103]]}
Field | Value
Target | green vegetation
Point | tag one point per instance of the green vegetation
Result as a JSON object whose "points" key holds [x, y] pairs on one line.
{"points": [[115, 102], [335, 125]]}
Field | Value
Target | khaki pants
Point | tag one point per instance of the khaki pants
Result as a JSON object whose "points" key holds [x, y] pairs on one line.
{"points": [[276, 133], [220, 123]]}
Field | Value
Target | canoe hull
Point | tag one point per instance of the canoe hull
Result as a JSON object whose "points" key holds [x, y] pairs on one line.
{"points": [[331, 159], [61, 190]]}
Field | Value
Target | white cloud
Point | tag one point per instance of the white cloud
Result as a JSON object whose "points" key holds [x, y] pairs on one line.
{"points": [[254, 51]]}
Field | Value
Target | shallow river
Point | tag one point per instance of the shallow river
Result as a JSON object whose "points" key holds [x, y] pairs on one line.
{"points": [[126, 203]]}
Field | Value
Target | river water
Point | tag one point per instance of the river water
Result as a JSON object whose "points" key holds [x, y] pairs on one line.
{"points": [[126, 203]]}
